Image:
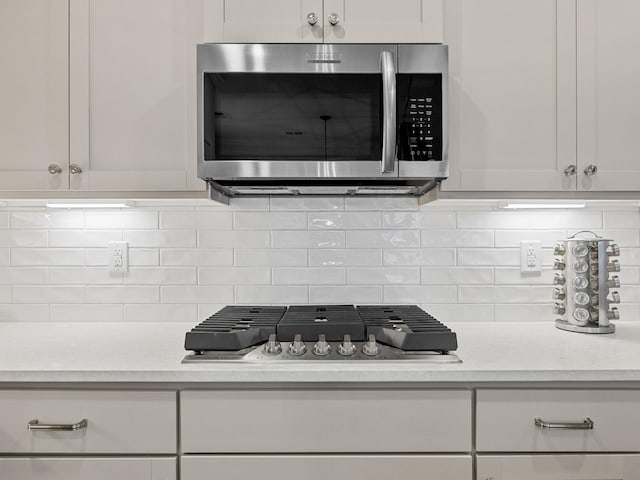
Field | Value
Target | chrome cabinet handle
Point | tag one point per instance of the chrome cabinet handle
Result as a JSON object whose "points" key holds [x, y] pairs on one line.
{"points": [[388, 70], [74, 169], [312, 18], [570, 170], [333, 19], [64, 427], [591, 170], [587, 424], [54, 169]]}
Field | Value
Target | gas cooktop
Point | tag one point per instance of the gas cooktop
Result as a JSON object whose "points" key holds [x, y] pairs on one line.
{"points": [[321, 332]]}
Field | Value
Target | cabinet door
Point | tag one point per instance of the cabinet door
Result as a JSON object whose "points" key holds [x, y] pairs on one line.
{"points": [[34, 120], [608, 94], [275, 21], [133, 91], [512, 88], [88, 468], [321, 467], [555, 467], [379, 21]]}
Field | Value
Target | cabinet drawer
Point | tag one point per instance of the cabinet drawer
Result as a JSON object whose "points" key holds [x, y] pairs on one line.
{"points": [[322, 467], [117, 421], [88, 468], [554, 467], [257, 421], [506, 420]]}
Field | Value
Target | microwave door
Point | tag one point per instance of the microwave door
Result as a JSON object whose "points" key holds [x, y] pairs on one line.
{"points": [[334, 120]]}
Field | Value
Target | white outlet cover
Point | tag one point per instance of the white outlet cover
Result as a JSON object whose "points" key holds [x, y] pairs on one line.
{"points": [[531, 256], [118, 257]]}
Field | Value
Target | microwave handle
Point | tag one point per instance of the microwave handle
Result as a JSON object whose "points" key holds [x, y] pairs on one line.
{"points": [[388, 70]]}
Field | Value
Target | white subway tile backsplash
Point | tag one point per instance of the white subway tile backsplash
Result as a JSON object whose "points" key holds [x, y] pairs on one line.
{"points": [[234, 276], [160, 238], [569, 219], [420, 294], [107, 312], [123, 294], [512, 238], [308, 276], [203, 220], [83, 238], [456, 275], [419, 257], [23, 275], [234, 239], [270, 258], [270, 221], [281, 295], [186, 262], [358, 295], [23, 238], [344, 220], [47, 257], [456, 238], [307, 239], [489, 256], [47, 219], [83, 276], [49, 294], [120, 220], [346, 257], [628, 219], [199, 294], [201, 257], [161, 276], [383, 238], [383, 275], [455, 312], [494, 220], [162, 312], [15, 312], [306, 204]]}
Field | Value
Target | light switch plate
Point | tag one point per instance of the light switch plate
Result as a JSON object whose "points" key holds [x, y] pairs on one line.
{"points": [[530, 256]]}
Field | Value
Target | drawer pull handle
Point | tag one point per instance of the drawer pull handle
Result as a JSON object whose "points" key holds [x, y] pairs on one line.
{"points": [[587, 424], [68, 427]]}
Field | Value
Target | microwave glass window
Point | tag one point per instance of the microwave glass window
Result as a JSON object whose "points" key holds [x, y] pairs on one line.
{"points": [[314, 117]]}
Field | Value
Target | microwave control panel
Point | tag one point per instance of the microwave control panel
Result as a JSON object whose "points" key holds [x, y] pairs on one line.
{"points": [[419, 100]]}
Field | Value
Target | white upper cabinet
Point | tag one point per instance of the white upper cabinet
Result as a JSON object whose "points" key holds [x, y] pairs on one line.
{"points": [[381, 21], [34, 119], [333, 21], [133, 92], [608, 95], [512, 94], [275, 21]]}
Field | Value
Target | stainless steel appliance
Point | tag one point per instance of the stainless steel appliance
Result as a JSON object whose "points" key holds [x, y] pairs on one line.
{"points": [[297, 119], [585, 278], [321, 332]]}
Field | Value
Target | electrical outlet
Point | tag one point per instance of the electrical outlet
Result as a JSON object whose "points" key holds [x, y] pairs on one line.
{"points": [[118, 257], [530, 256]]}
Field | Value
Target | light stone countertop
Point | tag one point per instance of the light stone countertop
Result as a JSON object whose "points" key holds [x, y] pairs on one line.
{"points": [[35, 352]]}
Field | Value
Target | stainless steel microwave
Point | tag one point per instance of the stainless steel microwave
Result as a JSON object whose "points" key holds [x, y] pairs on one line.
{"points": [[296, 119]]}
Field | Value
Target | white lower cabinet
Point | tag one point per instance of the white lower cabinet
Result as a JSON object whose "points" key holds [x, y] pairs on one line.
{"points": [[48, 468], [558, 467], [322, 467]]}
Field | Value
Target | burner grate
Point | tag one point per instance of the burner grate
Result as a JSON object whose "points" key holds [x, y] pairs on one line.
{"points": [[407, 327], [234, 328]]}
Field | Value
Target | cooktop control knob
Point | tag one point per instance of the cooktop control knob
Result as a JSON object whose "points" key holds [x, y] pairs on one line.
{"points": [[297, 347], [370, 347], [272, 347], [322, 348], [346, 348]]}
